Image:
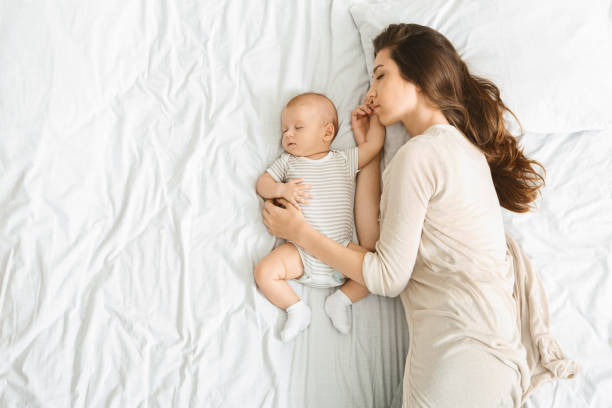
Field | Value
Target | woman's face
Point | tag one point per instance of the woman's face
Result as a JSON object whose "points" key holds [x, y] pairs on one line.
{"points": [[392, 97]]}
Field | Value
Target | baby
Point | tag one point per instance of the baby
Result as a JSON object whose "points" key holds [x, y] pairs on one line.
{"points": [[321, 183]]}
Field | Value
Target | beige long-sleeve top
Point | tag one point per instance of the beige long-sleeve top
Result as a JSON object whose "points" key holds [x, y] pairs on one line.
{"points": [[443, 249]]}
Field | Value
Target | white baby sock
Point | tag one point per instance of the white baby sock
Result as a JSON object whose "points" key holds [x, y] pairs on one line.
{"points": [[298, 319], [338, 308]]}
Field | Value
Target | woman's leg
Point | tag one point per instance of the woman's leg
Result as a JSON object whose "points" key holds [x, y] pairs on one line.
{"points": [[460, 376]]}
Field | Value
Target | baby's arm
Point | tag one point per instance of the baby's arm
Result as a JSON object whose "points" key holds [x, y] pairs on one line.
{"points": [[374, 142], [293, 190], [267, 187]]}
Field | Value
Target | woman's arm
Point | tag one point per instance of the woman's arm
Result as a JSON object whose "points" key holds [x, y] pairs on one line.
{"points": [[347, 260], [413, 180], [288, 223], [367, 204]]}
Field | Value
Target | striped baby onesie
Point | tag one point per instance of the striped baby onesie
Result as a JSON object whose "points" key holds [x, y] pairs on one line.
{"points": [[330, 211]]}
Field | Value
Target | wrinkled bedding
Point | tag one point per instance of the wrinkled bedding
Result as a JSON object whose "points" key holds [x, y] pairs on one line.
{"points": [[131, 138]]}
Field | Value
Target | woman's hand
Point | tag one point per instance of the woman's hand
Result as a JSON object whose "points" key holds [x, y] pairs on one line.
{"points": [[281, 222]]}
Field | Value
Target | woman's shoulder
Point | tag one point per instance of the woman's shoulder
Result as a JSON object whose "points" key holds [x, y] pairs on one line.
{"points": [[439, 132], [453, 142], [417, 157], [418, 148], [444, 142], [430, 137], [430, 152]]}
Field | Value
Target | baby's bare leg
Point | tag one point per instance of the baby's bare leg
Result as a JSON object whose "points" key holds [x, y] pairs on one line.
{"points": [[273, 271], [352, 289], [271, 275], [338, 305]]}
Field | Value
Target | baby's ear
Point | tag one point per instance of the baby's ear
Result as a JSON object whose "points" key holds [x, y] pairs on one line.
{"points": [[329, 132]]}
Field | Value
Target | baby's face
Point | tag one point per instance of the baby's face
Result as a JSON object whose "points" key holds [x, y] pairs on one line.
{"points": [[305, 132]]}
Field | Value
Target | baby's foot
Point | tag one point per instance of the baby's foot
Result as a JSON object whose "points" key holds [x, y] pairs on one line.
{"points": [[338, 308], [298, 319]]}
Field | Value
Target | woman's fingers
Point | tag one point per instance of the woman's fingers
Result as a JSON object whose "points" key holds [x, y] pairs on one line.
{"points": [[295, 204], [271, 209], [268, 206], [266, 215], [285, 203], [266, 218]]}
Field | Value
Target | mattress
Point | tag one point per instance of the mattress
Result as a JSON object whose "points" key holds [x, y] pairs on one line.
{"points": [[131, 138]]}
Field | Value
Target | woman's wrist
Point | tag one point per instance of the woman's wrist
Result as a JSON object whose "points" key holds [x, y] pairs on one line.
{"points": [[302, 232]]}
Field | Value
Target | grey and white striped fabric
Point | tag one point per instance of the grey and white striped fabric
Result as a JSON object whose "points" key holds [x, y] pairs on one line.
{"points": [[330, 211]]}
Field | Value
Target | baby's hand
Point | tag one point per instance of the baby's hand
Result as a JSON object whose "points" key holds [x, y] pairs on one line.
{"points": [[294, 192], [360, 120]]}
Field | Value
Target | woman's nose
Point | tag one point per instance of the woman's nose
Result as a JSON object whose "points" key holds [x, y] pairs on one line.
{"points": [[370, 95]]}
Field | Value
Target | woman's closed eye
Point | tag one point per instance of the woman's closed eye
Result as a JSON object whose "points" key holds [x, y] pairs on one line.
{"points": [[380, 76]]}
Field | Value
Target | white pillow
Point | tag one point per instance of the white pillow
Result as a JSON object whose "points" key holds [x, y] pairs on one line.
{"points": [[551, 59]]}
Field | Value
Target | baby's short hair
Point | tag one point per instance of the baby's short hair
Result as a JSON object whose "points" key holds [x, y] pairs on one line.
{"points": [[330, 112]]}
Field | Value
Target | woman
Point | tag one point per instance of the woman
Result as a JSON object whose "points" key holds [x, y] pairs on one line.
{"points": [[476, 313]]}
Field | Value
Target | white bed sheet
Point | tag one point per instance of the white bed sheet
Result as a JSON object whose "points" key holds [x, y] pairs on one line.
{"points": [[131, 137]]}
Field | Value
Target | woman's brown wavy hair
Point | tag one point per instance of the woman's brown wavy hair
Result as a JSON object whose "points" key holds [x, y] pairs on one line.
{"points": [[470, 103]]}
